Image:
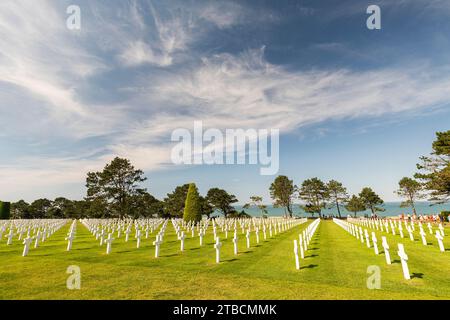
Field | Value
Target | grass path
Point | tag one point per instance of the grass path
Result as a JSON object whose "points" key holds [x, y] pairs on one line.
{"points": [[335, 267]]}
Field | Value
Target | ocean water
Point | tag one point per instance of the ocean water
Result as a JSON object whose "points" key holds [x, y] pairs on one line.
{"points": [[392, 209]]}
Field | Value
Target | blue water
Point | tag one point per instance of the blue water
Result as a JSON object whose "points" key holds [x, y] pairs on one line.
{"points": [[392, 209]]}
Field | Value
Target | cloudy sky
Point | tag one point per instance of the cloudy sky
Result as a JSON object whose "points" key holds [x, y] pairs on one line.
{"points": [[352, 104]]}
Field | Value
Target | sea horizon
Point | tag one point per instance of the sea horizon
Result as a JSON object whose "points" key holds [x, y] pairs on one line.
{"points": [[392, 208]]}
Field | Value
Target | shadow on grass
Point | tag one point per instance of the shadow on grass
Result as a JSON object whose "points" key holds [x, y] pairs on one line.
{"points": [[417, 275], [309, 266], [396, 261], [312, 256]]}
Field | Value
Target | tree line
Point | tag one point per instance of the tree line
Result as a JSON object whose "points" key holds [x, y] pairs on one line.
{"points": [[116, 191]]}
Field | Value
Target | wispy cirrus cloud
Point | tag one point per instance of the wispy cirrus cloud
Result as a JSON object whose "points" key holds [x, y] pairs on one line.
{"points": [[140, 69]]}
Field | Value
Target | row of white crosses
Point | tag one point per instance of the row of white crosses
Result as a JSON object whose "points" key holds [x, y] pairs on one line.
{"points": [[358, 233], [304, 240], [104, 229], [384, 225], [283, 226], [29, 230]]}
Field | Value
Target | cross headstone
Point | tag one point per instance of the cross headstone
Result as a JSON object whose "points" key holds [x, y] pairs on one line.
{"points": [[27, 242], [375, 243], [302, 252], [201, 234], [181, 238], [404, 259], [423, 235], [138, 238], [297, 261], [109, 242], [248, 238], [441, 228], [439, 238], [38, 237], [10, 236], [69, 239], [157, 243], [217, 246], [235, 243], [411, 235], [386, 249], [366, 234]]}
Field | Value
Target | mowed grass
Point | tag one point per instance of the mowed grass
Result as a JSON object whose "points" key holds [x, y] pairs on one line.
{"points": [[335, 267]]}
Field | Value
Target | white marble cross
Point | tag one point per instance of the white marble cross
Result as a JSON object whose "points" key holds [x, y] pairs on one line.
{"points": [[235, 242], [10, 236], [69, 239], [264, 232], [201, 234], [441, 228], [361, 237], [430, 228], [38, 237], [27, 242], [302, 252], [157, 243], [423, 234], [404, 258], [257, 234], [439, 238], [366, 234], [411, 235], [138, 238], [217, 246], [248, 238], [297, 260], [386, 249], [375, 243], [400, 230], [109, 242], [181, 238], [127, 234]]}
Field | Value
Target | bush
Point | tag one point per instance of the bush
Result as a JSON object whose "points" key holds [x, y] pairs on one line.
{"points": [[445, 214], [5, 210]]}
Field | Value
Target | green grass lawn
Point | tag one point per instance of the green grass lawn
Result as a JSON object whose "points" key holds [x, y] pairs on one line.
{"points": [[335, 267]]}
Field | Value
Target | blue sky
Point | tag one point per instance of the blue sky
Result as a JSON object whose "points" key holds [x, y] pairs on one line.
{"points": [[352, 104]]}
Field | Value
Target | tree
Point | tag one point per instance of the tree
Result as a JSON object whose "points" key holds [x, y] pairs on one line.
{"points": [[221, 200], [61, 208], [20, 210], [257, 202], [314, 193], [116, 185], [411, 190], [355, 205], [192, 207], [282, 191], [371, 200], [337, 193], [40, 208], [175, 201], [435, 169], [206, 208], [146, 205]]}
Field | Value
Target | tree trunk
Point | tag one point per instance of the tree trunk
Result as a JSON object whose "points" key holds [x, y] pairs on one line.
{"points": [[339, 211]]}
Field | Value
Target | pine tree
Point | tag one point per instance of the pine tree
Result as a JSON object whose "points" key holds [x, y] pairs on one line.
{"points": [[192, 207]]}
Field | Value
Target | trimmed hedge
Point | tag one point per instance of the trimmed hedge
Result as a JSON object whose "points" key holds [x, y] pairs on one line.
{"points": [[5, 210]]}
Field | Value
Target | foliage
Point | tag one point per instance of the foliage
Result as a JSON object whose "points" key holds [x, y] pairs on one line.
{"points": [[282, 192], [337, 194], [371, 200], [355, 205], [314, 193], [411, 190], [434, 171], [192, 207], [116, 185], [221, 200]]}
